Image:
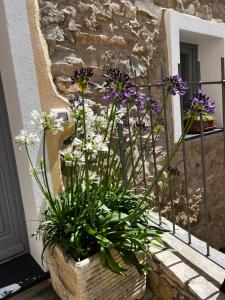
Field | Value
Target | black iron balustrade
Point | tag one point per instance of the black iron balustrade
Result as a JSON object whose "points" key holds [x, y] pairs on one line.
{"points": [[188, 238], [199, 85]]}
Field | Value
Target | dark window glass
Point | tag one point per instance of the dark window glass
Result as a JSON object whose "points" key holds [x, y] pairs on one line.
{"points": [[188, 69]]}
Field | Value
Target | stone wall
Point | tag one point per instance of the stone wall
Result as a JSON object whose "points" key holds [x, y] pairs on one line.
{"points": [[98, 34], [122, 33], [183, 273], [215, 178], [112, 33]]}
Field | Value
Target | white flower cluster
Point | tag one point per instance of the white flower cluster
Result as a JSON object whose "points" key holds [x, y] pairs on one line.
{"points": [[72, 156], [46, 121], [74, 153], [95, 144], [93, 177], [42, 121], [120, 113], [26, 139]]}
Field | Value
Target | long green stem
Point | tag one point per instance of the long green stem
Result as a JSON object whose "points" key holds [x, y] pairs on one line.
{"points": [[100, 159], [133, 171], [34, 171], [168, 160], [108, 154], [45, 166], [86, 166]]}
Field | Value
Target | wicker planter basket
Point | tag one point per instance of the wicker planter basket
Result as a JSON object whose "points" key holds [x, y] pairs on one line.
{"points": [[88, 280]]}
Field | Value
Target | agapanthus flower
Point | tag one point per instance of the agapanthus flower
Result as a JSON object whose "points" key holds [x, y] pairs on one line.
{"points": [[202, 103], [93, 177], [82, 78], [117, 86], [71, 156], [116, 78], [143, 126], [100, 123], [139, 100], [175, 85], [77, 142], [75, 100], [25, 139], [153, 105], [120, 115], [46, 121], [96, 144]]}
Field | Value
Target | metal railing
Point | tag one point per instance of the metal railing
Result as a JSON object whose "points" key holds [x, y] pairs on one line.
{"points": [[187, 239], [199, 85]]}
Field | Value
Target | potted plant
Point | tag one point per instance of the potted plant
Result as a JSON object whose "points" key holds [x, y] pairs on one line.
{"points": [[203, 108], [97, 231]]}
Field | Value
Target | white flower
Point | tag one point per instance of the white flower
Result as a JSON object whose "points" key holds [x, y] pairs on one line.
{"points": [[120, 115], [103, 147], [93, 177], [100, 144], [99, 123], [72, 157], [77, 142], [89, 146], [45, 121], [26, 139], [96, 144]]}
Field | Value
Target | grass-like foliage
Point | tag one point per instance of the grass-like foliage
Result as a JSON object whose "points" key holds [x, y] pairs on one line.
{"points": [[109, 186]]}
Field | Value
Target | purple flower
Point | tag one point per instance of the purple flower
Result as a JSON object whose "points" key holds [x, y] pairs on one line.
{"points": [[203, 104], [139, 100], [175, 85], [117, 86], [143, 126], [82, 77], [75, 100], [153, 105], [117, 79]]}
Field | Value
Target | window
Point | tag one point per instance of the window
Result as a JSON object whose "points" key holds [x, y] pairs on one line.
{"points": [[204, 40], [188, 65]]}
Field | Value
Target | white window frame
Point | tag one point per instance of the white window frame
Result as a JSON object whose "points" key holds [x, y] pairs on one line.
{"points": [[190, 29]]}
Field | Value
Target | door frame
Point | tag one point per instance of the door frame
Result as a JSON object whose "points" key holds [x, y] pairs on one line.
{"points": [[21, 97], [13, 173]]}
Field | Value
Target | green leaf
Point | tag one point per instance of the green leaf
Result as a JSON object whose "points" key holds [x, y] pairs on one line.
{"points": [[112, 264], [89, 230]]}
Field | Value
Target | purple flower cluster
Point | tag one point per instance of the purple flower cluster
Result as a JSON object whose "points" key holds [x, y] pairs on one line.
{"points": [[139, 100], [75, 100], [203, 104], [117, 86], [143, 126], [82, 77], [175, 85], [153, 105]]}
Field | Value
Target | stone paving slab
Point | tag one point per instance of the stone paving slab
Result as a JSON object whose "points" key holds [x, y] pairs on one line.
{"points": [[44, 291]]}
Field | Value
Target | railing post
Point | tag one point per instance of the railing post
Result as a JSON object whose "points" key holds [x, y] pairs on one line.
{"points": [[223, 100], [142, 150], [158, 198], [187, 204], [205, 200], [168, 151]]}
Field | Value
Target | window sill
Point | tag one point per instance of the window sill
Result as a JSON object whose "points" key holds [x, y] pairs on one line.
{"points": [[192, 136]]}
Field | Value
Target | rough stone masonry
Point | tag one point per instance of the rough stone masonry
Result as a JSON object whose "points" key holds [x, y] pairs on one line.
{"points": [[128, 33]]}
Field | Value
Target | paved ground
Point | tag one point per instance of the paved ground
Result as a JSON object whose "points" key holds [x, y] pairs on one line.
{"points": [[44, 291], [41, 291]]}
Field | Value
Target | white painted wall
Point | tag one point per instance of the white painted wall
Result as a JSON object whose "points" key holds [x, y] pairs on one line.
{"points": [[210, 37], [20, 86]]}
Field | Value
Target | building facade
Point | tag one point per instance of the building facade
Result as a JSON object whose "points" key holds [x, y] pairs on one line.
{"points": [[41, 43]]}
